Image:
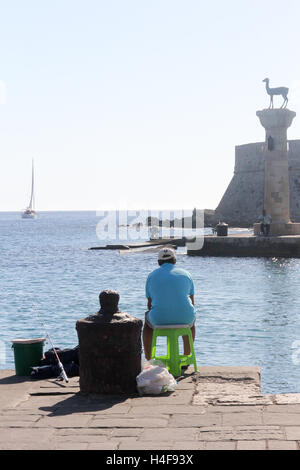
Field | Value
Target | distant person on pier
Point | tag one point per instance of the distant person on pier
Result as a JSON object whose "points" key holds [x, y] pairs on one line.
{"points": [[170, 294], [265, 222]]}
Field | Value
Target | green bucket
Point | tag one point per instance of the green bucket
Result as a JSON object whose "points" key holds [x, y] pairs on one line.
{"points": [[28, 353]]}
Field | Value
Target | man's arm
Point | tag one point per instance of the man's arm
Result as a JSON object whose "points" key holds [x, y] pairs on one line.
{"points": [[192, 299], [149, 303]]}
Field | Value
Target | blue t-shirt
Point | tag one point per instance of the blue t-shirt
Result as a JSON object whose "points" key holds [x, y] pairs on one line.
{"points": [[169, 288]]}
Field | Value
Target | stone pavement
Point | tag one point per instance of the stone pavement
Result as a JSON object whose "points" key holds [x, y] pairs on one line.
{"points": [[217, 408]]}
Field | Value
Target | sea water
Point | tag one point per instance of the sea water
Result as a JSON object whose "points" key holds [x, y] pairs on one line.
{"points": [[248, 309]]}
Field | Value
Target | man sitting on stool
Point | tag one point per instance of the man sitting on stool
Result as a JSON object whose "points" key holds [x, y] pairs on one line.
{"points": [[170, 294]]}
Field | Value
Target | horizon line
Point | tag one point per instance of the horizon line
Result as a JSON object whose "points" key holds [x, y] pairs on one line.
{"points": [[106, 210]]}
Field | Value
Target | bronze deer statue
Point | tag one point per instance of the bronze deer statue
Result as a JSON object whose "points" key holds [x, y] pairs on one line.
{"points": [[283, 91]]}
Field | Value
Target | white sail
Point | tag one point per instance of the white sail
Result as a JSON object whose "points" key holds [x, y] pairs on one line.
{"points": [[31, 204], [30, 213]]}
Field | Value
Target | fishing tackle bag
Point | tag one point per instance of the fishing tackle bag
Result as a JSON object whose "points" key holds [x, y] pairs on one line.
{"points": [[66, 356], [52, 371]]}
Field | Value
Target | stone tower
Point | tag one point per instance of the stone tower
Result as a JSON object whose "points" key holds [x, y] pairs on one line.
{"points": [[276, 171]]}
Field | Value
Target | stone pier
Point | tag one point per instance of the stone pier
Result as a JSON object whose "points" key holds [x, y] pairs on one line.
{"points": [[247, 245], [216, 408]]}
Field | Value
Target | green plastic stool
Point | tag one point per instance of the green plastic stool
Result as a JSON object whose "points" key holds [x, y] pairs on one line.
{"points": [[173, 360]]}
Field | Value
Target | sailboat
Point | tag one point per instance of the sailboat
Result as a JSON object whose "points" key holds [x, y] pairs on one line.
{"points": [[30, 213]]}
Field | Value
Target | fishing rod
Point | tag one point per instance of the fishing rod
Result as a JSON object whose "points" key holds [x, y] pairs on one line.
{"points": [[63, 374]]}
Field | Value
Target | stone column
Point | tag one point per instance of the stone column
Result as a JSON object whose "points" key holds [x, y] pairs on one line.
{"points": [[276, 179]]}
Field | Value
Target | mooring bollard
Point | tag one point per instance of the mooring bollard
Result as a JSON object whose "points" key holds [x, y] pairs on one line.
{"points": [[109, 349]]}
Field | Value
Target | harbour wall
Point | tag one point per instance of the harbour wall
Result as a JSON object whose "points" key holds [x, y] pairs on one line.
{"points": [[248, 246]]}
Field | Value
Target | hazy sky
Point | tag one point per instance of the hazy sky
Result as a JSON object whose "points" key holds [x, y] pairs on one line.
{"points": [[137, 104]]}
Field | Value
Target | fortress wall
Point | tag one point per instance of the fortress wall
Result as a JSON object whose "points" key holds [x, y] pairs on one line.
{"points": [[294, 170], [249, 157], [242, 202]]}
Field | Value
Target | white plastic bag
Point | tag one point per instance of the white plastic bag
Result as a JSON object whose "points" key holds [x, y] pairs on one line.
{"points": [[155, 379]]}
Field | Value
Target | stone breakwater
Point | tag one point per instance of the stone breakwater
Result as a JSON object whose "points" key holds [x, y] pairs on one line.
{"points": [[217, 408], [249, 246]]}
